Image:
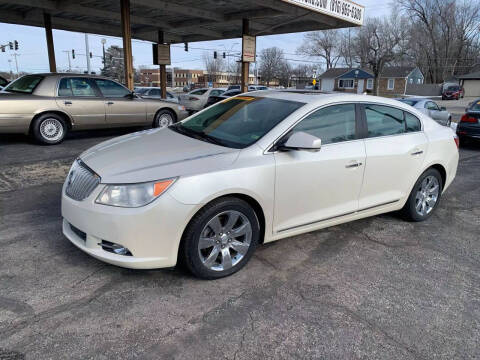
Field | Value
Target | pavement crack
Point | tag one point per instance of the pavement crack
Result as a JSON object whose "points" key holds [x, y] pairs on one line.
{"points": [[102, 267]]}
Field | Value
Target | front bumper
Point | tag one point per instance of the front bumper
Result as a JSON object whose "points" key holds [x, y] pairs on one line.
{"points": [[152, 233]]}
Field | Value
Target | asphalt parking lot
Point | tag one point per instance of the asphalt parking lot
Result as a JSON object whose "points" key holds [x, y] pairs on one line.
{"points": [[378, 288]]}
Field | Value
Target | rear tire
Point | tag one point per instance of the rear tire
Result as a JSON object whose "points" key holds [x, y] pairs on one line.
{"points": [[220, 239], [49, 129], [425, 196], [163, 118]]}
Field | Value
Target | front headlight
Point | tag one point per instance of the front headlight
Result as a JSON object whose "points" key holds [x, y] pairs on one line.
{"points": [[133, 195]]}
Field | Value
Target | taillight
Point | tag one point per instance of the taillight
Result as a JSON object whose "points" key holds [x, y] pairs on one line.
{"points": [[457, 141], [468, 119]]}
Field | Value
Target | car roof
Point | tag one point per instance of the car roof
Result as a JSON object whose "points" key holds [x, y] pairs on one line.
{"points": [[414, 99], [321, 98]]}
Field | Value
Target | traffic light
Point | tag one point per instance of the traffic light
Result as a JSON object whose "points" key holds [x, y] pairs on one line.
{"points": [[16, 44], [186, 46], [224, 56], [214, 54], [91, 55], [10, 45], [73, 53]]}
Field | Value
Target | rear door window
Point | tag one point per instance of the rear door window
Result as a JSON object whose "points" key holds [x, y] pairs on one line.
{"points": [[412, 123], [81, 87], [384, 120]]}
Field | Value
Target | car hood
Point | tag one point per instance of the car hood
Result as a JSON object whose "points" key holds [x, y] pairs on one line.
{"points": [[153, 155]]}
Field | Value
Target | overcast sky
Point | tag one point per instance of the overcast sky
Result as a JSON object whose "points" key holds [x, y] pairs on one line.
{"points": [[33, 53]]}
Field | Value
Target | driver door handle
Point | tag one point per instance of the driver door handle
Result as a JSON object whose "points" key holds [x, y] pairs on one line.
{"points": [[68, 103], [417, 152], [110, 102], [353, 164]]}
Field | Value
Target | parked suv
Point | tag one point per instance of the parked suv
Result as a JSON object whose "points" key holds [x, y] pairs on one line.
{"points": [[453, 92]]}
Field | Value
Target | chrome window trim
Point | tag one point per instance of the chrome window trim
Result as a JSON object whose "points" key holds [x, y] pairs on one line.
{"points": [[268, 149]]}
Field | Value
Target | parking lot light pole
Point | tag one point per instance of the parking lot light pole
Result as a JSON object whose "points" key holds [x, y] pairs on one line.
{"points": [[47, 20]]}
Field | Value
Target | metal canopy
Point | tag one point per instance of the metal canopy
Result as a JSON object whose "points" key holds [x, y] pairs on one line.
{"points": [[186, 20]]}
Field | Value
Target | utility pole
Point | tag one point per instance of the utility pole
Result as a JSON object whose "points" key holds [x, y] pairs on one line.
{"points": [[10, 66], [87, 54], [16, 62], [68, 57], [103, 48]]}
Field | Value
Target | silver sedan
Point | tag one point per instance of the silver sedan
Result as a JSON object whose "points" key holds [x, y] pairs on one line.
{"points": [[430, 108]]}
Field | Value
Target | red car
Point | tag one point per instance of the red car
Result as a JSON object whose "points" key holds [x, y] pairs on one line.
{"points": [[453, 92]]}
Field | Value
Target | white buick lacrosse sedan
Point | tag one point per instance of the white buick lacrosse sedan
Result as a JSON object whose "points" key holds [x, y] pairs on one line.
{"points": [[250, 170]]}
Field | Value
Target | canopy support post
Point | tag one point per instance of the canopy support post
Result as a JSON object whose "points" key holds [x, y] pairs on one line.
{"points": [[47, 20], [127, 43]]}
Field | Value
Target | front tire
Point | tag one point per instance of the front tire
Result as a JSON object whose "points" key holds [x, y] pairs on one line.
{"points": [[425, 196], [49, 129], [220, 239], [163, 118]]}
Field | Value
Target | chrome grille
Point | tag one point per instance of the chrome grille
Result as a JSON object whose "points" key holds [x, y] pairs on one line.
{"points": [[81, 181]]}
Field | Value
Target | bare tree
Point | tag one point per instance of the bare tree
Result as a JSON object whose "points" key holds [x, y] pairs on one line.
{"points": [[271, 62], [445, 35], [323, 44], [346, 48], [213, 66], [377, 44]]}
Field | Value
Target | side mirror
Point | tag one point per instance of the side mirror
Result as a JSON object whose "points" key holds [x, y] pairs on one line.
{"points": [[443, 108], [301, 141]]}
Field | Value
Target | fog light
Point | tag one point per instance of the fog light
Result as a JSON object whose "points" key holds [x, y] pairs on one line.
{"points": [[115, 248]]}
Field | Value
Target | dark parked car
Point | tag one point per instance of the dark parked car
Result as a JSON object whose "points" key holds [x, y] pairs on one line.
{"points": [[214, 99], [3, 82], [469, 126], [453, 92]]}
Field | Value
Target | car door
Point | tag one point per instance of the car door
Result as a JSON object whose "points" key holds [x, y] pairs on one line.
{"points": [[311, 187], [435, 112], [122, 108], [395, 146], [80, 98]]}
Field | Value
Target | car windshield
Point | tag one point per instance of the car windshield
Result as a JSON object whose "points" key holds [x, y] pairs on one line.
{"points": [[25, 85], [475, 106], [453, 88], [237, 122], [408, 101], [141, 91]]}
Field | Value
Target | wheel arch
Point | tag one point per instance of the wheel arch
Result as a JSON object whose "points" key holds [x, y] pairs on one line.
{"points": [[441, 169], [247, 198], [65, 116]]}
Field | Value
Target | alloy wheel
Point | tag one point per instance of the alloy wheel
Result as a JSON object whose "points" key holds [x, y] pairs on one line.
{"points": [[51, 129], [427, 195], [164, 120], [225, 240]]}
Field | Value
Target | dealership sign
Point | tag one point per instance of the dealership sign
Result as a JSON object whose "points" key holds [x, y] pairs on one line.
{"points": [[342, 9], [248, 48]]}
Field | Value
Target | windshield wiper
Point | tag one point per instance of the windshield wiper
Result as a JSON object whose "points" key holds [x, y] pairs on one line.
{"points": [[196, 135]]}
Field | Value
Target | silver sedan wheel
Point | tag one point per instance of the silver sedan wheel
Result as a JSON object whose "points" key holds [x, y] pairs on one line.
{"points": [[51, 129], [427, 195], [225, 240], [164, 120]]}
